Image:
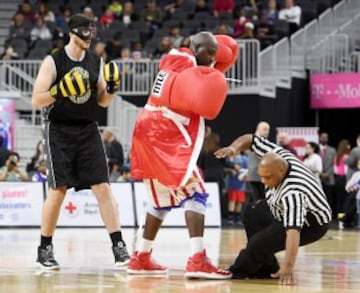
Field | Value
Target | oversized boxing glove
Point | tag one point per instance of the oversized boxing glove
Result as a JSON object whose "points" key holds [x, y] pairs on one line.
{"points": [[73, 83], [201, 90], [227, 53], [112, 77]]}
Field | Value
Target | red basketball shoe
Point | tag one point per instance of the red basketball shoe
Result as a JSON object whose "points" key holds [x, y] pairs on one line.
{"points": [[142, 264], [200, 267]]}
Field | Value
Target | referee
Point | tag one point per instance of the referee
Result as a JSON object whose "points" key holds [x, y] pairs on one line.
{"points": [[297, 212]]}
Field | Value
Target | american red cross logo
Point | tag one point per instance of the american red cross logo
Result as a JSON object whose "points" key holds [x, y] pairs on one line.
{"points": [[70, 207]]}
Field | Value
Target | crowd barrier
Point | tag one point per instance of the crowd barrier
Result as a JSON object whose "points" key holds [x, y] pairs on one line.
{"points": [[21, 204]]}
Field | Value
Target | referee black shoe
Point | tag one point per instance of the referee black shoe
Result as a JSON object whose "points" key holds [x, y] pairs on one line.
{"points": [[121, 255], [45, 259]]}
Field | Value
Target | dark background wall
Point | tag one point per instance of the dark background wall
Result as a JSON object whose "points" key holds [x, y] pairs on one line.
{"points": [[241, 113]]}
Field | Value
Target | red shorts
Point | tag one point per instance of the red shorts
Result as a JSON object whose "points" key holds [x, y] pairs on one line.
{"points": [[236, 195]]}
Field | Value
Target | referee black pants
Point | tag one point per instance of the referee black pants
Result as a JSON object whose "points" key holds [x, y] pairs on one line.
{"points": [[266, 236]]}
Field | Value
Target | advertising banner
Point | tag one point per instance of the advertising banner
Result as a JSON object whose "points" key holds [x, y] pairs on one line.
{"points": [[299, 136], [21, 203], [176, 216], [7, 122], [80, 208], [338, 90]]}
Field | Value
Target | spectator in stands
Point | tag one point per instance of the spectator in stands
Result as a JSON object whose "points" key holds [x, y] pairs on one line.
{"points": [[3, 152], [248, 32], [19, 29], [185, 42], [38, 156], [201, 6], [283, 140], [255, 186], [270, 12], [141, 70], [26, 9], [99, 50], [164, 47], [138, 47], [113, 48], [63, 19], [236, 169], [116, 8], [328, 154], [264, 32], [40, 174], [114, 152], [340, 171], [312, 160], [224, 29], [171, 8], [125, 174], [240, 22], [58, 45], [223, 6], [107, 18], [44, 12], [11, 170], [292, 14], [175, 36], [353, 158], [128, 16], [153, 15], [40, 31], [9, 53]]}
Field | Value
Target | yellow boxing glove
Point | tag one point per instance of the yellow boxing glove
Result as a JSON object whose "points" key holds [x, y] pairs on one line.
{"points": [[73, 83], [112, 77]]}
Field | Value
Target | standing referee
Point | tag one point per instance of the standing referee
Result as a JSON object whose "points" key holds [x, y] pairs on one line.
{"points": [[299, 211], [71, 85]]}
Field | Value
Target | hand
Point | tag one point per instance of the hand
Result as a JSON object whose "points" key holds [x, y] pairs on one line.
{"points": [[73, 83], [225, 152], [285, 275], [112, 77]]}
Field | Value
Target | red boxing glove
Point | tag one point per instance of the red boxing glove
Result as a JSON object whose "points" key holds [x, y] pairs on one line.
{"points": [[201, 90], [227, 53]]}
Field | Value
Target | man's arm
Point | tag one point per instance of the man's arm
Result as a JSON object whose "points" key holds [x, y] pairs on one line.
{"points": [[242, 143], [104, 98], [285, 274], [41, 92]]}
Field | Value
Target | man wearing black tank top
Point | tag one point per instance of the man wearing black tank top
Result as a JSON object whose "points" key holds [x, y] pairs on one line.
{"points": [[71, 84]]}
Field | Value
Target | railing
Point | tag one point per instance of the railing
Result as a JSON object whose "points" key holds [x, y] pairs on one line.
{"points": [[137, 76]]}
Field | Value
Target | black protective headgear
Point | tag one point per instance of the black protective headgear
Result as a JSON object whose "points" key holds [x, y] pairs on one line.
{"points": [[82, 26]]}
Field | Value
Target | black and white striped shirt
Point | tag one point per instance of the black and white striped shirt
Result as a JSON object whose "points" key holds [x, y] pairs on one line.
{"points": [[298, 200]]}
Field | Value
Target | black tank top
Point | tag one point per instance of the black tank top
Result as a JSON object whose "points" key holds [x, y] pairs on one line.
{"points": [[82, 109]]}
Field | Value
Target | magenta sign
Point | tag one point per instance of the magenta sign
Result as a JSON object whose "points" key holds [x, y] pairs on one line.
{"points": [[339, 90]]}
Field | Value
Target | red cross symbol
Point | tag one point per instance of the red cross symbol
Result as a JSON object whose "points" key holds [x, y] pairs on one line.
{"points": [[70, 207]]}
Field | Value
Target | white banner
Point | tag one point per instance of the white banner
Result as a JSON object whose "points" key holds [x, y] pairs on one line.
{"points": [[299, 136], [176, 216], [80, 208], [21, 203]]}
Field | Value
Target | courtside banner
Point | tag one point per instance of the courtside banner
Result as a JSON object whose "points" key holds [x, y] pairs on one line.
{"points": [[21, 203], [299, 136], [176, 216], [338, 90], [80, 208]]}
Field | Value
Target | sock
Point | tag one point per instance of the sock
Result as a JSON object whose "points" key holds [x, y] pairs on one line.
{"points": [[116, 237], [196, 245], [145, 245], [45, 241]]}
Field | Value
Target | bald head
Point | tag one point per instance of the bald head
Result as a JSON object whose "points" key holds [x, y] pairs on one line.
{"points": [[272, 169], [204, 46], [263, 129]]}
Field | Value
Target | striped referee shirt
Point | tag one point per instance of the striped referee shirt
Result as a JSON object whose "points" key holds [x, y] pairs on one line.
{"points": [[298, 200]]}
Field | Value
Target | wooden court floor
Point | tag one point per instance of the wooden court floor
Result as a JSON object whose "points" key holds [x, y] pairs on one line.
{"points": [[330, 265]]}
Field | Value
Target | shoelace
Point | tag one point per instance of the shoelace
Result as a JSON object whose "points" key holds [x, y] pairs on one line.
{"points": [[49, 253], [121, 251]]}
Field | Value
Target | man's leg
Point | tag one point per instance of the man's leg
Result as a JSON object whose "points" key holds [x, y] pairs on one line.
{"points": [[198, 265], [50, 215], [110, 216], [141, 262]]}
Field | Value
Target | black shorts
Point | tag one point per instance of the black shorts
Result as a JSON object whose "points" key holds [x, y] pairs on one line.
{"points": [[75, 155]]}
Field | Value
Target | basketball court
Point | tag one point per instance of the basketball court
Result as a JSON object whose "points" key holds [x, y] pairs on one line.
{"points": [[330, 265]]}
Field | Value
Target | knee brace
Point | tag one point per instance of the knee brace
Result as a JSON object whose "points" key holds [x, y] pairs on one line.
{"points": [[158, 213], [197, 203]]}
